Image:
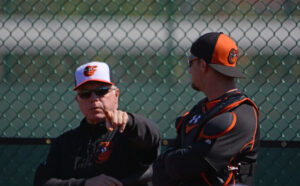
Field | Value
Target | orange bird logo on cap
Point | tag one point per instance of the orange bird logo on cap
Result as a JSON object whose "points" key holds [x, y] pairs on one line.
{"points": [[89, 70], [233, 55]]}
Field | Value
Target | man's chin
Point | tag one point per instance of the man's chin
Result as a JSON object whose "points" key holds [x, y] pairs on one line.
{"points": [[96, 119]]}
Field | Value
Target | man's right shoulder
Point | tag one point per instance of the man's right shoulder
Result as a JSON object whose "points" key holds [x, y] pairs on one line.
{"points": [[68, 135]]}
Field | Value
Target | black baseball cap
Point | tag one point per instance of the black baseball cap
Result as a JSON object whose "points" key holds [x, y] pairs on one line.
{"points": [[219, 51]]}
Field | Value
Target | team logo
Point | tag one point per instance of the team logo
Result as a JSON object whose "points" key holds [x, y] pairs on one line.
{"points": [[233, 55], [193, 123], [208, 141], [89, 70], [195, 119], [103, 152]]}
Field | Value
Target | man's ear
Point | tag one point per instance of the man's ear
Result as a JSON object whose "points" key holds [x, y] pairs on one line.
{"points": [[117, 92], [204, 65]]}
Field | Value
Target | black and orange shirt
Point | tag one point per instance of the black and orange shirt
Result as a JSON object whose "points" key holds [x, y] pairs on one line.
{"points": [[206, 147], [90, 150]]}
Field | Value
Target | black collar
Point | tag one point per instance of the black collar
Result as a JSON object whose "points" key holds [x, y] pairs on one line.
{"points": [[93, 129]]}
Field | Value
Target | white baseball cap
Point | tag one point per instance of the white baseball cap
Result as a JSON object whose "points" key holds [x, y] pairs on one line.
{"points": [[92, 71]]}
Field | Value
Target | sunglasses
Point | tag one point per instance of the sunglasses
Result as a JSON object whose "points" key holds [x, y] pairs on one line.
{"points": [[101, 91], [192, 59]]}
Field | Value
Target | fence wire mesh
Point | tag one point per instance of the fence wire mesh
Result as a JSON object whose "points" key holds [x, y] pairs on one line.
{"points": [[146, 44]]}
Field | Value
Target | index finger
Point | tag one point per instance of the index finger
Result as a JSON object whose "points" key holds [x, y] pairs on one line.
{"points": [[108, 116]]}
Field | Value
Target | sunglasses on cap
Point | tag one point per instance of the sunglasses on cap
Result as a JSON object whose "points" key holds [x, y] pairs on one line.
{"points": [[101, 91], [192, 59]]}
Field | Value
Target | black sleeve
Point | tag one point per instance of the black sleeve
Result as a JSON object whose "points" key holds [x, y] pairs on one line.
{"points": [[240, 141], [183, 163], [160, 174], [41, 179], [213, 153], [141, 177], [143, 133], [47, 173], [144, 136]]}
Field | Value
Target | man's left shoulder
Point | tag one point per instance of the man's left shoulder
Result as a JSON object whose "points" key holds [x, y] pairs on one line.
{"points": [[247, 119], [246, 111]]}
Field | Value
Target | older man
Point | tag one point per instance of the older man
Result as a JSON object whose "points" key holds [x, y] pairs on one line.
{"points": [[110, 147]]}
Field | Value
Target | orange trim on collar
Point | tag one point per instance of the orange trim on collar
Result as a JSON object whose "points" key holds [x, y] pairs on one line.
{"points": [[233, 105], [211, 104]]}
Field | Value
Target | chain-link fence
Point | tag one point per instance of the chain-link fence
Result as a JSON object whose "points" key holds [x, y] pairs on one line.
{"points": [[146, 44]]}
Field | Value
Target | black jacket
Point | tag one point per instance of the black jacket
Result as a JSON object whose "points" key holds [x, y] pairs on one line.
{"points": [[217, 150], [90, 150]]}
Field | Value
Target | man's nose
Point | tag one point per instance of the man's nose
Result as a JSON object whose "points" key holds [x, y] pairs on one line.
{"points": [[93, 95]]}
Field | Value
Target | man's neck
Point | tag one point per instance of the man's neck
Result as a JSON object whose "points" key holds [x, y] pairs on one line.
{"points": [[94, 122], [215, 92]]}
